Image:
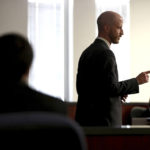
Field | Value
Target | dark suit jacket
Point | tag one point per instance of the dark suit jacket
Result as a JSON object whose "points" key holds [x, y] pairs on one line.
{"points": [[19, 97], [99, 91]]}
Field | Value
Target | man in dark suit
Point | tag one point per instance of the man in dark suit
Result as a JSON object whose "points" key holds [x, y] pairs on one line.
{"points": [[16, 95], [99, 91]]}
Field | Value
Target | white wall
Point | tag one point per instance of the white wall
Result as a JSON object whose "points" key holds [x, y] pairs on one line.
{"points": [[140, 44], [13, 16]]}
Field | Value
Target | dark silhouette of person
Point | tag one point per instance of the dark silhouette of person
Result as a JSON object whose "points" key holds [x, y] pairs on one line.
{"points": [[16, 95]]}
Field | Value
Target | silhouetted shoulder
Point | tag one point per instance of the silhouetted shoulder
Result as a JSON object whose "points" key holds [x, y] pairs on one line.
{"points": [[21, 97], [48, 102]]}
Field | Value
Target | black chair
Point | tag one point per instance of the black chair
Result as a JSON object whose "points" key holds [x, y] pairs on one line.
{"points": [[40, 130], [138, 111], [140, 115]]}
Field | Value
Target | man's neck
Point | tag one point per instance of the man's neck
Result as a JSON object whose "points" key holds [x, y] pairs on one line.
{"points": [[105, 40]]}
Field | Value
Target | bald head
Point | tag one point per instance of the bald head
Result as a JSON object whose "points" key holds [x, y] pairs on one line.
{"points": [[107, 18], [108, 22]]}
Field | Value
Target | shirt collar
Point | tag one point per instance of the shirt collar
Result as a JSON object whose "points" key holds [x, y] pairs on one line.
{"points": [[108, 44]]}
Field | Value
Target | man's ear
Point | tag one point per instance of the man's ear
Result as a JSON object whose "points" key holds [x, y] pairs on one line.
{"points": [[107, 28]]}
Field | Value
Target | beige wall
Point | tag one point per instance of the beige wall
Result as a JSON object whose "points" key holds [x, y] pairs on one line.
{"points": [[84, 33], [140, 44], [13, 16]]}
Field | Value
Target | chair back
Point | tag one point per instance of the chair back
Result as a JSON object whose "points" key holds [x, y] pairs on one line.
{"points": [[40, 130]]}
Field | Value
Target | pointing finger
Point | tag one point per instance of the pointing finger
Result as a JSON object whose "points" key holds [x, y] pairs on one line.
{"points": [[147, 72]]}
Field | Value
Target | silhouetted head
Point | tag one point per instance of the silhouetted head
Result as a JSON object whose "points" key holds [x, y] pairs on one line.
{"points": [[16, 57]]}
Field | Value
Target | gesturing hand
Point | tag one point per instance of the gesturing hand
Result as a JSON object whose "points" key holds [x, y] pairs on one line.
{"points": [[143, 77], [123, 98]]}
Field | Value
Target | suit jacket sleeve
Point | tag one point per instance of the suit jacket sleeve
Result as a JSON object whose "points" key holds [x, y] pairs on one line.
{"points": [[113, 85]]}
